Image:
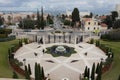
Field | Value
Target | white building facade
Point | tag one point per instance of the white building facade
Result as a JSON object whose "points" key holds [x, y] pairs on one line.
{"points": [[93, 25]]}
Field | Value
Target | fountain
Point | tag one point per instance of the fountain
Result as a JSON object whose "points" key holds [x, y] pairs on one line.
{"points": [[60, 49]]}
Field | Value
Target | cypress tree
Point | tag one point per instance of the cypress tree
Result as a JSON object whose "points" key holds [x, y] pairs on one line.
{"points": [[29, 69], [100, 71], [36, 72], [43, 75], [42, 19], [15, 76], [97, 68], [39, 72], [27, 75], [112, 55], [85, 72], [38, 19], [93, 72], [1, 21], [75, 16], [88, 73]]}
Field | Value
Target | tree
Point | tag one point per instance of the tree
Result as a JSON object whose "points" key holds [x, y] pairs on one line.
{"points": [[29, 69], [67, 22], [42, 19], [88, 73], [114, 15], [93, 72], [99, 76], [20, 43], [39, 72], [49, 19], [92, 41], [38, 19], [27, 24], [108, 21], [43, 75], [85, 72], [28, 17], [97, 68], [75, 16], [33, 17], [63, 17], [9, 19], [48, 38], [15, 76], [36, 72], [91, 15], [27, 75], [1, 21], [116, 24]]}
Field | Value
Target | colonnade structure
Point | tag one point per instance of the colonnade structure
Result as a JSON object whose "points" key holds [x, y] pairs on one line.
{"points": [[53, 36]]}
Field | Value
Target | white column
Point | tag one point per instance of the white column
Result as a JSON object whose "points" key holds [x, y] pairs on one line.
{"points": [[44, 42], [75, 40], [90, 34], [83, 35]]}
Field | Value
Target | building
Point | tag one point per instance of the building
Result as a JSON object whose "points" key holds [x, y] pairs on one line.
{"points": [[91, 24], [118, 9]]}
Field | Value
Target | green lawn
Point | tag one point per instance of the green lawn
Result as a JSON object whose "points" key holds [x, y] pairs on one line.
{"points": [[5, 69], [114, 72]]}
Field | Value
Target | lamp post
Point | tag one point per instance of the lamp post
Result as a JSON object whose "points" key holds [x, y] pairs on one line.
{"points": [[24, 60]]}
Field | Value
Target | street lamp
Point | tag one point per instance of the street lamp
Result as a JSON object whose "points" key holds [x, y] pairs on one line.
{"points": [[24, 60]]}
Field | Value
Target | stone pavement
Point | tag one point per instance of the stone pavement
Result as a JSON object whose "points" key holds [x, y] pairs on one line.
{"points": [[61, 67]]}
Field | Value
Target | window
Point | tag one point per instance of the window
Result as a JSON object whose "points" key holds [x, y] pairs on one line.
{"points": [[98, 28], [94, 28]]}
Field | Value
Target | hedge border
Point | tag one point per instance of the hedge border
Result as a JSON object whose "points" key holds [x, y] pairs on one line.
{"points": [[7, 39]]}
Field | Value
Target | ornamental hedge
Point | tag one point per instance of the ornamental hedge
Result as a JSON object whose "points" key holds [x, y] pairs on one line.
{"points": [[112, 35], [5, 31], [7, 38]]}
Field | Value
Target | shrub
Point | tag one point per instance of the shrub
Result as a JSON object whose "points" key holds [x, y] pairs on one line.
{"points": [[15, 76], [67, 22], [5, 31], [3, 36], [7, 38], [26, 40], [111, 35], [92, 41], [97, 43], [57, 31]]}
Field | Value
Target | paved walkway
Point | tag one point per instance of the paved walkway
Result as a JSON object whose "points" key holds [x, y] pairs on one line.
{"points": [[94, 55]]}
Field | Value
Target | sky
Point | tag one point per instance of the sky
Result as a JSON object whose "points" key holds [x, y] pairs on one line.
{"points": [[97, 6]]}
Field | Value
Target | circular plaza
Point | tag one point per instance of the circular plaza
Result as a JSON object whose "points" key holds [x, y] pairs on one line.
{"points": [[60, 67]]}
